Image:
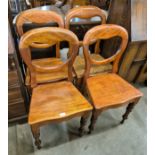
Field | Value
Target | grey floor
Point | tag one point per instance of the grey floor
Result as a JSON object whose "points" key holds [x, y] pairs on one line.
{"points": [[109, 137]]}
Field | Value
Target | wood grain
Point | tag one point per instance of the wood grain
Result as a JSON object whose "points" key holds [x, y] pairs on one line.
{"points": [[55, 101], [110, 91], [37, 17]]}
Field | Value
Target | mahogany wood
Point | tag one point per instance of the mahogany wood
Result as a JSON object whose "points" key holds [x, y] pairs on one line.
{"points": [[57, 101], [108, 90]]}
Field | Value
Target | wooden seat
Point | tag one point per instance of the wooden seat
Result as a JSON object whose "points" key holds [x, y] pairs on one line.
{"points": [[87, 12], [79, 66], [55, 101], [108, 90], [48, 77]]}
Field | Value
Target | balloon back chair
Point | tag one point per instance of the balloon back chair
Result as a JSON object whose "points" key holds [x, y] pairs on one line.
{"points": [[59, 100], [87, 12], [108, 90]]}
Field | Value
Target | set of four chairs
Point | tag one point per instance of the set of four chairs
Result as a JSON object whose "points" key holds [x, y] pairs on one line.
{"points": [[59, 88]]}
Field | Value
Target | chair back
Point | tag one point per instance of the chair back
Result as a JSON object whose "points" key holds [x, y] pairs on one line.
{"points": [[105, 31], [48, 36], [86, 12], [39, 17]]}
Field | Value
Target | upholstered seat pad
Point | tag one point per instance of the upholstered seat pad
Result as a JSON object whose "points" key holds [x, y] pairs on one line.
{"points": [[79, 65], [48, 77], [109, 90], [56, 100]]}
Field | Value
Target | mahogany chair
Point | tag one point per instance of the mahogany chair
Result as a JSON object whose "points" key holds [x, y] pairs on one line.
{"points": [[57, 101], [108, 90], [41, 17], [87, 12]]}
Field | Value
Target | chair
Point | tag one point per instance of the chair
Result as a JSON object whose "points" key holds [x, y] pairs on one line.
{"points": [[108, 90], [87, 12], [41, 17], [57, 101]]}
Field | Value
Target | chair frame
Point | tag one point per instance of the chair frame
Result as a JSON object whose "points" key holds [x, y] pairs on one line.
{"points": [[105, 31], [50, 36]]}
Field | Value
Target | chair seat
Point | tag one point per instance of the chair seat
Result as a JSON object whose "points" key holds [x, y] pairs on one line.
{"points": [[48, 77], [56, 100], [110, 90], [79, 65]]}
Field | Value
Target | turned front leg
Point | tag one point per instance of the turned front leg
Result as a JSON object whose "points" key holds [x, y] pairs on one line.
{"points": [[94, 117], [36, 134], [83, 122], [128, 110]]}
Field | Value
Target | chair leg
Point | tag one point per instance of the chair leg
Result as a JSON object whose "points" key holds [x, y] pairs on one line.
{"points": [[128, 110], [83, 122], [36, 134], [94, 117]]}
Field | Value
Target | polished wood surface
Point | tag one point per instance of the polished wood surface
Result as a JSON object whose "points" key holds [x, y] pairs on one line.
{"points": [[37, 17], [42, 77], [108, 90], [57, 101], [54, 101]]}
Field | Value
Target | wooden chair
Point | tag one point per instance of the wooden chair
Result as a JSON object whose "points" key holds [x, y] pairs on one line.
{"points": [[87, 12], [41, 17], [108, 90], [57, 101]]}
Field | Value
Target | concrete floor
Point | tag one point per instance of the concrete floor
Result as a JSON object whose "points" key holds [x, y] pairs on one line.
{"points": [[109, 137]]}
